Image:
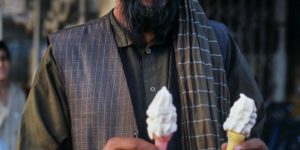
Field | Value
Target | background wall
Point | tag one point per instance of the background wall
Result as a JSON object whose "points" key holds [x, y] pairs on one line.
{"points": [[106, 6]]}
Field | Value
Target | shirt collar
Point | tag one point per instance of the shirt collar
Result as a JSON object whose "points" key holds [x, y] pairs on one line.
{"points": [[122, 39]]}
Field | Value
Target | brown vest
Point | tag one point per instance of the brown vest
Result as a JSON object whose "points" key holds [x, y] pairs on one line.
{"points": [[97, 92]]}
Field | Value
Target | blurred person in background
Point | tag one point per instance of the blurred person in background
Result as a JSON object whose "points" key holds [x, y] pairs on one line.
{"points": [[12, 99], [96, 81]]}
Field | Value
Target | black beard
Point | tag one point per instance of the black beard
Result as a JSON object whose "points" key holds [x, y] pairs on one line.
{"points": [[141, 19]]}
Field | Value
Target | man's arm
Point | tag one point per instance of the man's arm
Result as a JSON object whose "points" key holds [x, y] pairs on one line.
{"points": [[45, 122], [241, 80], [239, 77]]}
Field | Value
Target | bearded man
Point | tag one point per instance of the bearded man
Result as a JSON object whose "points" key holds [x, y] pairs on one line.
{"points": [[96, 80]]}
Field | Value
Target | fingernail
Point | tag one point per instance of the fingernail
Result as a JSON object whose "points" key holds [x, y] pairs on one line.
{"points": [[238, 147]]}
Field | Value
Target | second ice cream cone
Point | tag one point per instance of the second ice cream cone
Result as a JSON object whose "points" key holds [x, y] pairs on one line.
{"points": [[234, 139]]}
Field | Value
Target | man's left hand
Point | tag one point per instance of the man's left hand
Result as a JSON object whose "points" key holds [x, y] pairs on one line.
{"points": [[251, 144]]}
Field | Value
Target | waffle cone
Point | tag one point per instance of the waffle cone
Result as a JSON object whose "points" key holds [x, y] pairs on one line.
{"points": [[234, 139]]}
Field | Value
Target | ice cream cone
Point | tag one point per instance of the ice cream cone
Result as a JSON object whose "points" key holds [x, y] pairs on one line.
{"points": [[162, 142], [234, 139], [162, 118]]}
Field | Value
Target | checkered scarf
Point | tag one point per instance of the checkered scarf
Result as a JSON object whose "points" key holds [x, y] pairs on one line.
{"points": [[202, 80]]}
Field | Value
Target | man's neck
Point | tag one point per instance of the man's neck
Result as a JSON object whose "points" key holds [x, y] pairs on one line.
{"points": [[117, 12]]}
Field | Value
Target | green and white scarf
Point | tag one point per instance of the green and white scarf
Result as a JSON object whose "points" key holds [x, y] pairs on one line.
{"points": [[202, 80]]}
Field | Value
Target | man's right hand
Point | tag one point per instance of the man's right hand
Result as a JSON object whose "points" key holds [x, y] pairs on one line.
{"points": [[118, 143]]}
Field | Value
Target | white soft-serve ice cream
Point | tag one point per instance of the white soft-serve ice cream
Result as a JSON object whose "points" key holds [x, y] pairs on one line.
{"points": [[242, 116], [162, 116]]}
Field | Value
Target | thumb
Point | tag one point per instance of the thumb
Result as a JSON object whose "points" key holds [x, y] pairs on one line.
{"points": [[224, 146]]}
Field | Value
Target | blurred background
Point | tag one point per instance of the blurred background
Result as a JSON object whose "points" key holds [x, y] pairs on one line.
{"points": [[267, 31]]}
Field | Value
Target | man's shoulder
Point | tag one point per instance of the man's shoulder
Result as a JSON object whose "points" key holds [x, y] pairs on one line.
{"points": [[222, 35], [217, 26], [75, 32]]}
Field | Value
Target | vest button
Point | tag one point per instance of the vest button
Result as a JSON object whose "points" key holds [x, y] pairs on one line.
{"points": [[152, 89], [148, 50]]}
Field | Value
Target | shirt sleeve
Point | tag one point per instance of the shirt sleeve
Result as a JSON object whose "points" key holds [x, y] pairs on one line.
{"points": [[45, 122], [241, 80]]}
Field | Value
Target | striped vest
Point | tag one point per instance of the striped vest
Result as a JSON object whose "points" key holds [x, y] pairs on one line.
{"points": [[97, 93]]}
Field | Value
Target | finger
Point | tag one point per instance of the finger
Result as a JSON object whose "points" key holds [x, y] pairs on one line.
{"points": [[128, 144], [224, 146], [252, 144], [118, 143], [144, 145]]}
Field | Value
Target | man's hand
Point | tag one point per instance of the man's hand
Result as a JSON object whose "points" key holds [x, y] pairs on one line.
{"points": [[251, 144], [119, 143]]}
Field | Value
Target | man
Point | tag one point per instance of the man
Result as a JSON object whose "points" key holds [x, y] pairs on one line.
{"points": [[97, 80], [12, 99]]}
